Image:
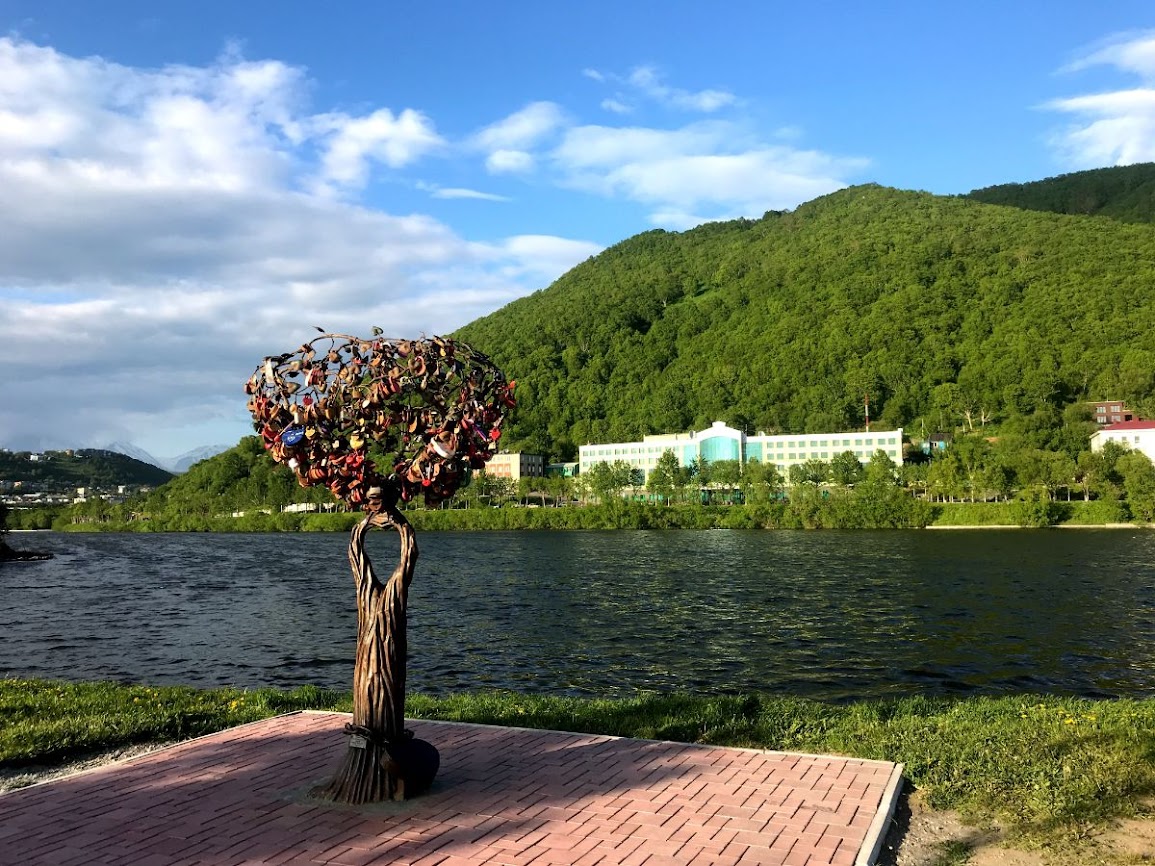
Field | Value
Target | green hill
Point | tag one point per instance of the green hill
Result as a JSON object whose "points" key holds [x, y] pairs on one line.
{"points": [[88, 467], [240, 478], [1125, 193], [943, 310]]}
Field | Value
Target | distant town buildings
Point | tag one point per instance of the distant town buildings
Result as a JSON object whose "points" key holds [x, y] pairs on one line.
{"points": [[720, 442], [1136, 435]]}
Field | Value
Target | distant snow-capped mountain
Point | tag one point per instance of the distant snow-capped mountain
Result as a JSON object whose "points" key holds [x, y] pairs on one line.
{"points": [[176, 465], [130, 450], [184, 461]]}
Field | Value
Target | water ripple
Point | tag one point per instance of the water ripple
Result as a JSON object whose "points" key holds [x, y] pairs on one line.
{"points": [[829, 615]]}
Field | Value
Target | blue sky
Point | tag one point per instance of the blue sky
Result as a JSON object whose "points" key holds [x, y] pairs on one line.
{"points": [[186, 187]]}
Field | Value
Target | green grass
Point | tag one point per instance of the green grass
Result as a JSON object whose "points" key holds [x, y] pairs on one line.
{"points": [[43, 721], [1045, 768]]}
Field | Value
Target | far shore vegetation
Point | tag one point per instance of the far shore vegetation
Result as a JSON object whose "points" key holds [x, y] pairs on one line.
{"points": [[974, 482], [1050, 770]]}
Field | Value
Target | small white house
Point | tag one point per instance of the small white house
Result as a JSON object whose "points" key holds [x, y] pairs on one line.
{"points": [[1136, 435]]}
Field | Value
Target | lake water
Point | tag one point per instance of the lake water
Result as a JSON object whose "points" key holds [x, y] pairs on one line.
{"points": [[830, 615]]}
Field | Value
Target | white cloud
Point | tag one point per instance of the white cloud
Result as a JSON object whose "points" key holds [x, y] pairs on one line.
{"points": [[510, 162], [457, 192], [710, 170], [1130, 52], [539, 256], [1114, 127], [354, 141], [162, 230], [523, 129], [647, 80], [509, 142]]}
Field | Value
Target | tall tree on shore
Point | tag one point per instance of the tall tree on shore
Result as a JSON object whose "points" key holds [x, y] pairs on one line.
{"points": [[431, 410], [664, 476]]}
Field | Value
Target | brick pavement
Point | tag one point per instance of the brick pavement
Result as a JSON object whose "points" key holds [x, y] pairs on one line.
{"points": [[504, 796]]}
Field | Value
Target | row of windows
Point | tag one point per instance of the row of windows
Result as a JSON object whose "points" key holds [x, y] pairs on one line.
{"points": [[777, 447], [863, 456], [834, 443]]}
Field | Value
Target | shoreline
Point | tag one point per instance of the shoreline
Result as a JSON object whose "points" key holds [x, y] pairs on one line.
{"points": [[1052, 526]]}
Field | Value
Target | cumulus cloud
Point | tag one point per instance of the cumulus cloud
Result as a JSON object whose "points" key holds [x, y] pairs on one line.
{"points": [[509, 142], [510, 162], [161, 230], [710, 170], [522, 129], [616, 106], [352, 142], [646, 82], [1114, 127], [538, 256]]}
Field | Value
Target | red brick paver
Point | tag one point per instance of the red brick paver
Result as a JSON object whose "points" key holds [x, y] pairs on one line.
{"points": [[504, 796]]}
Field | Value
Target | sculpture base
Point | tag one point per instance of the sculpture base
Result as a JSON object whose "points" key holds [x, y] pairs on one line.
{"points": [[373, 773], [415, 761]]}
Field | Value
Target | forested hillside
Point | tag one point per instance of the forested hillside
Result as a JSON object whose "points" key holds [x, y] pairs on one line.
{"points": [[946, 312], [1125, 193], [88, 467], [242, 477]]}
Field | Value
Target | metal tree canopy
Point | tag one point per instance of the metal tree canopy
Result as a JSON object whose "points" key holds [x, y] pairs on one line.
{"points": [[430, 410], [433, 408]]}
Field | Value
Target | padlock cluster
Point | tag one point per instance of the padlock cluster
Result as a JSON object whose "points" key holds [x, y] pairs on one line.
{"points": [[435, 405]]}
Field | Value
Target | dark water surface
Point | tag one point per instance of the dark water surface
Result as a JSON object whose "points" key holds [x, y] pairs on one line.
{"points": [[831, 615]]}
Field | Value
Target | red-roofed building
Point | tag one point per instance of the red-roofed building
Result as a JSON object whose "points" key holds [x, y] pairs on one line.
{"points": [[1137, 435]]}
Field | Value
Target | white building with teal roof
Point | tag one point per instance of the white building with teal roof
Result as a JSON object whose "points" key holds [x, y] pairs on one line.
{"points": [[720, 442]]}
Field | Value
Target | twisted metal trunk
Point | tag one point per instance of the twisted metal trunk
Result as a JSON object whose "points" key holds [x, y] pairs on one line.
{"points": [[369, 772]]}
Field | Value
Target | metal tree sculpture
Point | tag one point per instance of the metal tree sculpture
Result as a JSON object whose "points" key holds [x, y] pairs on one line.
{"points": [[431, 410]]}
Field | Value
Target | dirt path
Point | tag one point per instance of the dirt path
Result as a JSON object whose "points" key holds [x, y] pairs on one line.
{"points": [[919, 836]]}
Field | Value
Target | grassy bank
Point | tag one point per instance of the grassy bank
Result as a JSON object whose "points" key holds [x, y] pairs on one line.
{"points": [[1048, 768], [810, 511], [1023, 513]]}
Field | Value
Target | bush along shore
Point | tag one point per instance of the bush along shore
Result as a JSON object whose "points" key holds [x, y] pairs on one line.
{"points": [[1047, 769], [839, 510]]}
